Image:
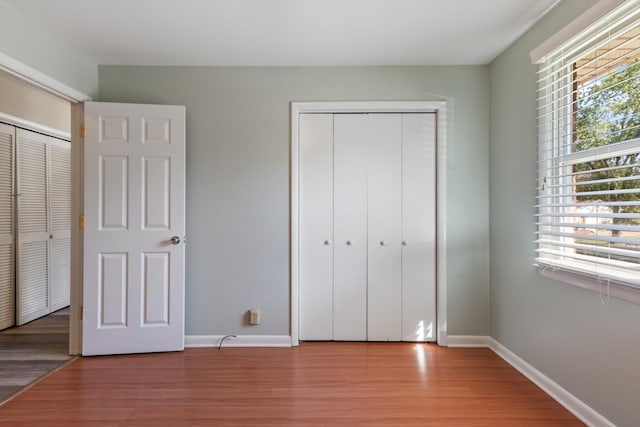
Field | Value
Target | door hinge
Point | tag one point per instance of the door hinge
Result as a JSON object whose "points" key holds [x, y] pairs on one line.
{"points": [[81, 313], [82, 221], [82, 130]]}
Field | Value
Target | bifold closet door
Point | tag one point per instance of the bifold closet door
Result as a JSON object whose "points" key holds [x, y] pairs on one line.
{"points": [[316, 227], [7, 250], [60, 223], [419, 227], [33, 237], [350, 227], [384, 203], [367, 234]]}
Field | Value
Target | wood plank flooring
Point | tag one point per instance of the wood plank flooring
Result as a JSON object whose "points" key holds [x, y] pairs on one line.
{"points": [[324, 384], [31, 351]]}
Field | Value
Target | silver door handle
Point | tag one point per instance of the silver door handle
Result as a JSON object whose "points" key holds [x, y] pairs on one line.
{"points": [[327, 242], [175, 240], [383, 242], [405, 243]]}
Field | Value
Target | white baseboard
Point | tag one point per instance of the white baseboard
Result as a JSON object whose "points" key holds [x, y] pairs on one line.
{"points": [[585, 413], [467, 341], [237, 341], [577, 407]]}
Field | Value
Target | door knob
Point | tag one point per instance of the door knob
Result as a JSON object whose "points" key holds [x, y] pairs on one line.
{"points": [[349, 242], [327, 242], [175, 240], [405, 243], [383, 242]]}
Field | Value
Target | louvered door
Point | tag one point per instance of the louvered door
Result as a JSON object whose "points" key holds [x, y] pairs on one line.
{"points": [[33, 237], [7, 252], [60, 222]]}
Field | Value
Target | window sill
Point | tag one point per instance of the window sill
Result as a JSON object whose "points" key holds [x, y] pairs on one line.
{"points": [[606, 288]]}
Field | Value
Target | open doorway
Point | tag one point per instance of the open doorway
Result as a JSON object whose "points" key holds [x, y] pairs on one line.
{"points": [[35, 257]]}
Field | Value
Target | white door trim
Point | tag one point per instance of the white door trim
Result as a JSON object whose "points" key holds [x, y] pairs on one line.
{"points": [[438, 107], [77, 231], [32, 76]]}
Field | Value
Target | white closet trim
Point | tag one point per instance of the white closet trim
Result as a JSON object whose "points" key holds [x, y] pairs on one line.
{"points": [[438, 107], [36, 127]]}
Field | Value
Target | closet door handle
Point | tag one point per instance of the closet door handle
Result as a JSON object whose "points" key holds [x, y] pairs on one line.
{"points": [[349, 242], [327, 242], [405, 243], [383, 242]]}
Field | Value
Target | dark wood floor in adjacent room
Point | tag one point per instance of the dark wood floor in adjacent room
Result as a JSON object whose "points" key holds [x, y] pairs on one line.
{"points": [[324, 384], [31, 351]]}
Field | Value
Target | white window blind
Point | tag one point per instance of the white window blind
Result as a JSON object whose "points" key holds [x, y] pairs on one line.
{"points": [[588, 206]]}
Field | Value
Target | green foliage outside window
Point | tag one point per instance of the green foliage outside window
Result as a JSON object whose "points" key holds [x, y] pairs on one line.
{"points": [[607, 111]]}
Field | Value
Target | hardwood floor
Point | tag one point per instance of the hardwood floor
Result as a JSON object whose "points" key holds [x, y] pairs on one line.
{"points": [[323, 384], [33, 350]]}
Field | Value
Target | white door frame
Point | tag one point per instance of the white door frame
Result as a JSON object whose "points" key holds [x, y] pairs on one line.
{"points": [[42, 81], [438, 107]]}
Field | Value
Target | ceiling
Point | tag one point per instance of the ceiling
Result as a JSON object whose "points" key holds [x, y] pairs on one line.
{"points": [[286, 32]]}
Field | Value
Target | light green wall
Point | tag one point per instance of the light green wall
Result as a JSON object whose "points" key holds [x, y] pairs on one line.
{"points": [[25, 41], [238, 139], [589, 348]]}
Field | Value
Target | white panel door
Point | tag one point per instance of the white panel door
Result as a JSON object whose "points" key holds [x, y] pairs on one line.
{"points": [[134, 228], [316, 227], [350, 228], [384, 279], [32, 220], [59, 223], [419, 227], [7, 251]]}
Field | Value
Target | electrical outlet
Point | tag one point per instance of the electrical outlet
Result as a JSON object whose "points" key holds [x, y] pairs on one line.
{"points": [[255, 318]]}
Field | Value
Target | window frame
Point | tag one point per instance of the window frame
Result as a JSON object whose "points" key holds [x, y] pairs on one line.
{"points": [[557, 117]]}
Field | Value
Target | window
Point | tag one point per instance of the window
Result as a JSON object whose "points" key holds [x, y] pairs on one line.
{"points": [[588, 206]]}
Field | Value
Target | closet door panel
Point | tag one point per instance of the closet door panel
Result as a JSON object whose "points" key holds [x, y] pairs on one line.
{"points": [[7, 250], [33, 237], [350, 227], [60, 219], [316, 227], [419, 227], [384, 227], [33, 281]]}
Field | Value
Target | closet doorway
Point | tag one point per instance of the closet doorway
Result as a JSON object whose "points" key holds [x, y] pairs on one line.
{"points": [[368, 258]]}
